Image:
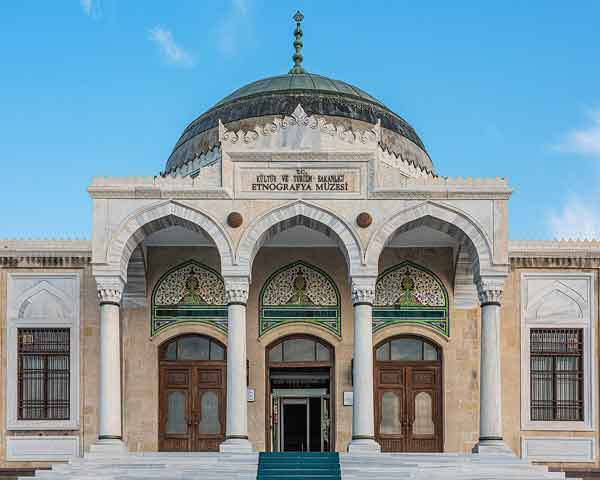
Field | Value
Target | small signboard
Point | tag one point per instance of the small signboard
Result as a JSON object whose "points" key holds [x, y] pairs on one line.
{"points": [[250, 395], [348, 399]]}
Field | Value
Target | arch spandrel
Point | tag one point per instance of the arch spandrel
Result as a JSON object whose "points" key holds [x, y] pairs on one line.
{"points": [[149, 219]]}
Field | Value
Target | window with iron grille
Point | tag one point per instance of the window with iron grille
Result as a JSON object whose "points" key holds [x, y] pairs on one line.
{"points": [[556, 374], [43, 373]]}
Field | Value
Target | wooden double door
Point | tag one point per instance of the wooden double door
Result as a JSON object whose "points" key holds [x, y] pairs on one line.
{"points": [[192, 406], [408, 413]]}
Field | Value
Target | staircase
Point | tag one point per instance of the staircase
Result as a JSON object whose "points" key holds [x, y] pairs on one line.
{"points": [[298, 466], [441, 466], [155, 466]]}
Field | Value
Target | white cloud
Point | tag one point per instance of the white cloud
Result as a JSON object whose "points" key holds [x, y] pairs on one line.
{"points": [[584, 141], [172, 52], [236, 27], [578, 219], [92, 8], [87, 6]]}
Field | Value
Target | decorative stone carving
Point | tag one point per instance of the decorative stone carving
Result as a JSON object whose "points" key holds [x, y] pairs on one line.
{"points": [[235, 219], [110, 289], [364, 219], [490, 289], [407, 285], [300, 293], [275, 134], [190, 292], [199, 163], [363, 290], [236, 289], [281, 288], [173, 289], [409, 293]]}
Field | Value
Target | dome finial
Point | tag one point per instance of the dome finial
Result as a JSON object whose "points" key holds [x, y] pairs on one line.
{"points": [[297, 57]]}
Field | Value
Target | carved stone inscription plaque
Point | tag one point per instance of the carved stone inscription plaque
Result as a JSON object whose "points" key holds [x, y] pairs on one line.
{"points": [[299, 180]]}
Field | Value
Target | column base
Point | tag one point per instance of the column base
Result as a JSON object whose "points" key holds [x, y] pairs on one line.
{"points": [[492, 447], [113, 447], [363, 445], [236, 445]]}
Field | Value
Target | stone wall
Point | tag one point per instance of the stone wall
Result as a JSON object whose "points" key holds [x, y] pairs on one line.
{"points": [[140, 351], [88, 364], [461, 351]]}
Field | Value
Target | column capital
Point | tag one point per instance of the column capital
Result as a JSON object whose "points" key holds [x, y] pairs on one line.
{"points": [[490, 289], [363, 290], [236, 290], [110, 289]]}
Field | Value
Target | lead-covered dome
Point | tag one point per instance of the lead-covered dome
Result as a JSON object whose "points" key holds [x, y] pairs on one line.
{"points": [[263, 100]]}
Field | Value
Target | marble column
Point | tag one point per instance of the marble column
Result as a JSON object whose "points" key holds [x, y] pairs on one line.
{"points": [[236, 429], [490, 374], [363, 413], [110, 431]]}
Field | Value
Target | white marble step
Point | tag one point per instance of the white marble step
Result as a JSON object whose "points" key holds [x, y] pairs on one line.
{"points": [[156, 466], [222, 466], [387, 466]]}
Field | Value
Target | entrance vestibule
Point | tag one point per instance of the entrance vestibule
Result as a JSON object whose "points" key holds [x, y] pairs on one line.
{"points": [[299, 382]]}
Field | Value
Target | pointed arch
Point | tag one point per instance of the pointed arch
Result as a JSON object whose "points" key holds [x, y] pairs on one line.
{"points": [[300, 213], [145, 221], [440, 217], [173, 302], [408, 293], [24, 300], [316, 302], [556, 300]]}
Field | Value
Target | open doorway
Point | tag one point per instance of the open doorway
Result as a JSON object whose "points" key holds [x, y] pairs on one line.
{"points": [[299, 381]]}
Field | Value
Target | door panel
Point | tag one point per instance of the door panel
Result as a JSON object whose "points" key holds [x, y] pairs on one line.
{"points": [[192, 408], [175, 406], [424, 433], [408, 407]]}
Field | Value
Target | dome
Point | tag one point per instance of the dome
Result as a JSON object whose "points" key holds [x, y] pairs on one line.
{"points": [[271, 97]]}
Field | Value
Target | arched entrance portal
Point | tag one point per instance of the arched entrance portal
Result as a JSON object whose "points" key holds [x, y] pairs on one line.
{"points": [[408, 395], [192, 394], [299, 394]]}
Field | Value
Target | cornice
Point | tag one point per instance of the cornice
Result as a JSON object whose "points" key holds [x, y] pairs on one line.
{"points": [[299, 156], [154, 187], [554, 253], [428, 187], [45, 253]]}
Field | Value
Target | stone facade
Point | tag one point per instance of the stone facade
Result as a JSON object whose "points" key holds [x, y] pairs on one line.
{"points": [[296, 186]]}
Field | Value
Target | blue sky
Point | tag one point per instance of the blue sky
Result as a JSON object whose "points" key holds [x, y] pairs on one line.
{"points": [[105, 87]]}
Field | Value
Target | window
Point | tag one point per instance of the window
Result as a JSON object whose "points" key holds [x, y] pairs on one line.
{"points": [[43, 374], [407, 349], [556, 372], [192, 348], [299, 350]]}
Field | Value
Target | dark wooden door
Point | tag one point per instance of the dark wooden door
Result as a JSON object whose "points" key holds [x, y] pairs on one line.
{"points": [[408, 413], [192, 406]]}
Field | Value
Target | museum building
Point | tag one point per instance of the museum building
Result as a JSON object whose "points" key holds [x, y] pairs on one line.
{"points": [[299, 278]]}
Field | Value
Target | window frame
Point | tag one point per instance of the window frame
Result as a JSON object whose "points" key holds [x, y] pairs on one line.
{"points": [[45, 371], [578, 354], [586, 322], [65, 287]]}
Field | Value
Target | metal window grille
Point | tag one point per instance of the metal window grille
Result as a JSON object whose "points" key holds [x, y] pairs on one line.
{"points": [[43, 373], [556, 374]]}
